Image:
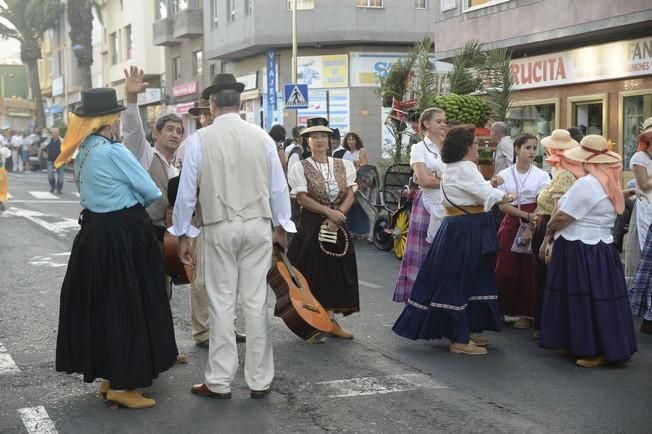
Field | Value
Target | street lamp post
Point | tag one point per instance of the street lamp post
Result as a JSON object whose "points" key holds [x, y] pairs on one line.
{"points": [[294, 53]]}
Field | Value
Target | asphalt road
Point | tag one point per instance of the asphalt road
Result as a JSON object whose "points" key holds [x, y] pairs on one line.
{"points": [[378, 382]]}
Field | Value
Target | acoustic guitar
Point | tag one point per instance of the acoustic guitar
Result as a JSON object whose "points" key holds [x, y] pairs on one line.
{"points": [[177, 270], [295, 304]]}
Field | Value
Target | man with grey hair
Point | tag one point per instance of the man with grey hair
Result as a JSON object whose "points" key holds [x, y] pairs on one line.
{"points": [[504, 146], [231, 169], [157, 160]]}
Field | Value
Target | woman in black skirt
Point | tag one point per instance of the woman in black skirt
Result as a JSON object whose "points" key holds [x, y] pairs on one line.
{"points": [[323, 187], [114, 319]]}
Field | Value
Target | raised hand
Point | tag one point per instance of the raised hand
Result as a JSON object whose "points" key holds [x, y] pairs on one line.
{"points": [[134, 83]]}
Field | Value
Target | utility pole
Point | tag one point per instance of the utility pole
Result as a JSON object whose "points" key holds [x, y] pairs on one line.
{"points": [[294, 52]]}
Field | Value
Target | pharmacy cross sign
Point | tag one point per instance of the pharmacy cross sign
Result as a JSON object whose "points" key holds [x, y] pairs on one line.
{"points": [[296, 96]]}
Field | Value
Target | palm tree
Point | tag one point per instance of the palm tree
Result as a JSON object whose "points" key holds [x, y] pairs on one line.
{"points": [[29, 19], [80, 18]]}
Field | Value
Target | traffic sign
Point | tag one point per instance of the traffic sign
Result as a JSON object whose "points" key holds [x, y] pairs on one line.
{"points": [[296, 96]]}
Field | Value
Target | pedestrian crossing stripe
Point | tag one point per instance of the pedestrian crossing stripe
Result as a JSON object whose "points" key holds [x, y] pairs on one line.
{"points": [[296, 96]]}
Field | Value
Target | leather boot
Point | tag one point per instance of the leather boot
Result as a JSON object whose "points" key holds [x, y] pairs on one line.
{"points": [[469, 348], [130, 399], [340, 332], [591, 362]]}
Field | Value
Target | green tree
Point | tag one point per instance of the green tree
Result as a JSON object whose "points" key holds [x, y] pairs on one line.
{"points": [[80, 18], [28, 20]]}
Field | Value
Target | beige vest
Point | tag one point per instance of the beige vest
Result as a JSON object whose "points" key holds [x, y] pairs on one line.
{"points": [[233, 178], [159, 175]]}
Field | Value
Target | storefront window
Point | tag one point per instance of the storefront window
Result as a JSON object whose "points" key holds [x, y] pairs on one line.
{"points": [[538, 119], [588, 116], [635, 110]]}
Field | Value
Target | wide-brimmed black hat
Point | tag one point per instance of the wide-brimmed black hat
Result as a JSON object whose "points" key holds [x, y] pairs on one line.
{"points": [[316, 125], [222, 82], [200, 105], [98, 102]]}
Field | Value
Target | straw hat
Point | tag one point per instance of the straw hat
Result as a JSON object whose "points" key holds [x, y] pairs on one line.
{"points": [[316, 125], [646, 130], [559, 139], [593, 149]]}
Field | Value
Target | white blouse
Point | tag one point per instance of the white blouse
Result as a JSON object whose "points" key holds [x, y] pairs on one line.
{"points": [[299, 184], [464, 185], [527, 185], [641, 158], [426, 152], [594, 214]]}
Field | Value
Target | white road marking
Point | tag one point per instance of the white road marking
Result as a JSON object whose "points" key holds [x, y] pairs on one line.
{"points": [[43, 195], [36, 420], [368, 284], [7, 364], [365, 386], [75, 193], [58, 228], [61, 254]]}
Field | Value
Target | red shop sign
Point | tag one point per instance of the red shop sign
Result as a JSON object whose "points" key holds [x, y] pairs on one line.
{"points": [[189, 88]]}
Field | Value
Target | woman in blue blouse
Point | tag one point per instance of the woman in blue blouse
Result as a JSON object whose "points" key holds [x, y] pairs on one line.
{"points": [[114, 320]]}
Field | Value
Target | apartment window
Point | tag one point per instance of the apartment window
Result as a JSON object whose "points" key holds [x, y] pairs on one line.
{"points": [[178, 5], [420, 4], [369, 3], [129, 47], [302, 4], [214, 13], [230, 10], [197, 62], [113, 38], [161, 9], [477, 4], [176, 68], [447, 5], [249, 7]]}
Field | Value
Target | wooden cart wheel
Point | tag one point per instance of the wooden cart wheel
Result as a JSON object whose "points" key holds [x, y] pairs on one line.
{"points": [[401, 232]]}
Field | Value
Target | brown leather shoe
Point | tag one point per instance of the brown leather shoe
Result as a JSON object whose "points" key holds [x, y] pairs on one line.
{"points": [[104, 388], [182, 359], [340, 332], [469, 349], [130, 399], [479, 340], [203, 390], [257, 394]]}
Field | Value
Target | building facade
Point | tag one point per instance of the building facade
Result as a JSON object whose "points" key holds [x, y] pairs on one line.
{"points": [[343, 46], [127, 40], [582, 63], [179, 29]]}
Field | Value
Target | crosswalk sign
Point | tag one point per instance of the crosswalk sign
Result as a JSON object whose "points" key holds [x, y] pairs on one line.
{"points": [[296, 96]]}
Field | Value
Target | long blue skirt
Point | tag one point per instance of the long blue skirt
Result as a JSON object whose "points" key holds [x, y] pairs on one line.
{"points": [[586, 305], [455, 292]]}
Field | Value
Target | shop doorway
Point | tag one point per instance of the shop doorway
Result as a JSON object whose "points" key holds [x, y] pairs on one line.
{"points": [[588, 116]]}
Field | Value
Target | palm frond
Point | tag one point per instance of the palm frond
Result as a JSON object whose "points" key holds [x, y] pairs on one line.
{"points": [[463, 78], [499, 82]]}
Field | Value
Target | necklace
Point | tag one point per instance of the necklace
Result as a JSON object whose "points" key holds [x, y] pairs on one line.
{"points": [[425, 143]]}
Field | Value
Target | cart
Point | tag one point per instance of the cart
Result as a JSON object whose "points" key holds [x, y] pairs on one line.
{"points": [[391, 204]]}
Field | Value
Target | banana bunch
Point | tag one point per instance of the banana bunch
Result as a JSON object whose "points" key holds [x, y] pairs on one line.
{"points": [[467, 109]]}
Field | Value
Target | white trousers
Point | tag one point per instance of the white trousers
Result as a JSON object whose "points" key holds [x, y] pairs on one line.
{"points": [[198, 295], [241, 252]]}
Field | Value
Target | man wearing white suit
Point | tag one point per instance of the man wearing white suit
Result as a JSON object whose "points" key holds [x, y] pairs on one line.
{"points": [[232, 169]]}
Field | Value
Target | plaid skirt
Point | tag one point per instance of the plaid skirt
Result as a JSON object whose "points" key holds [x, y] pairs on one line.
{"points": [[640, 293], [415, 250]]}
